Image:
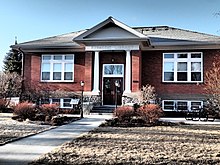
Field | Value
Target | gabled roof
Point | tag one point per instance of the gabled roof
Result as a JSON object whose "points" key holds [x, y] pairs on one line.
{"points": [[110, 30]]}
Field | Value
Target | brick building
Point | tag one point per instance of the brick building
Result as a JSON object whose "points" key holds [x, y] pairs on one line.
{"points": [[173, 60]]}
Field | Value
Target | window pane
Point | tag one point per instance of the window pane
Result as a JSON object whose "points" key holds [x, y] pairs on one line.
{"points": [[68, 57], [68, 76], [196, 105], [182, 66], [196, 66], [46, 57], [45, 101], [169, 105], [57, 57], [168, 76], [57, 67], [45, 75], [168, 55], [182, 55], [56, 75], [45, 67], [182, 105], [196, 76], [66, 103], [56, 101], [168, 66], [113, 69], [68, 67], [181, 76], [196, 55]]}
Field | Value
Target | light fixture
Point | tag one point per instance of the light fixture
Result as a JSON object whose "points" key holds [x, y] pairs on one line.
{"points": [[82, 83]]}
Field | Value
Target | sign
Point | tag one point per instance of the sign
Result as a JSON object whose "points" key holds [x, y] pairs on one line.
{"points": [[74, 101], [112, 47]]}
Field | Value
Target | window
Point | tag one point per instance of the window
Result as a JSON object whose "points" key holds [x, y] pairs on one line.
{"points": [[57, 68], [110, 70], [180, 105], [62, 102], [182, 67]]}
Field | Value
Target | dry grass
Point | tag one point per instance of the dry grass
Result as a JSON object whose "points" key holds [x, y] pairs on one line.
{"points": [[12, 129], [181, 144]]}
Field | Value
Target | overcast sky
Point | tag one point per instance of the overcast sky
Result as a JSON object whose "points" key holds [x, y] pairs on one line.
{"points": [[35, 19]]}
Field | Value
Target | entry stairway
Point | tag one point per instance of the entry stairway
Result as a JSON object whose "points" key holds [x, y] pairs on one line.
{"points": [[103, 109]]}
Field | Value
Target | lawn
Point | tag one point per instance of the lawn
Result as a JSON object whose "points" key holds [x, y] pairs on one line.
{"points": [[11, 129], [179, 144]]}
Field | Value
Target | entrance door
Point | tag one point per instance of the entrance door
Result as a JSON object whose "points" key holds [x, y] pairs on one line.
{"points": [[110, 97]]}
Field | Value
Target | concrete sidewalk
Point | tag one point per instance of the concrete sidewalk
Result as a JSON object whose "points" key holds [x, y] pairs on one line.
{"points": [[28, 149]]}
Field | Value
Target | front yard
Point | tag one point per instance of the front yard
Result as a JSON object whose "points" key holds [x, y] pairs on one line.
{"points": [[179, 144], [12, 129]]}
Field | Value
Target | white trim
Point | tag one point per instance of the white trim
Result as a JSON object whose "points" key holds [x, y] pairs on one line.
{"points": [[96, 90], [189, 102], [52, 62], [188, 60], [82, 37], [128, 72]]}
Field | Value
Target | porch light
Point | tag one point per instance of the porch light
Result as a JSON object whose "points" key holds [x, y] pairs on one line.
{"points": [[82, 83]]}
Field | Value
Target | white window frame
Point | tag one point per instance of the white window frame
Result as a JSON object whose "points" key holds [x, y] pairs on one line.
{"points": [[189, 103], [62, 102], [113, 75], [188, 60], [52, 62]]}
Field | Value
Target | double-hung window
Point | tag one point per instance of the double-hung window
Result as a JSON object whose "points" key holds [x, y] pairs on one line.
{"points": [[57, 68], [182, 67]]}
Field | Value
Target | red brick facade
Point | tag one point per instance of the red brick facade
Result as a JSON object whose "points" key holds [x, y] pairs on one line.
{"points": [[32, 73], [136, 71], [146, 69], [152, 74]]}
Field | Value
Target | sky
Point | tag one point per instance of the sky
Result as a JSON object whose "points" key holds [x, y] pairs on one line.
{"points": [[36, 19]]}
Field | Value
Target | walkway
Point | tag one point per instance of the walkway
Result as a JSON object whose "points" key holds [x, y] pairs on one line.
{"points": [[28, 149]]}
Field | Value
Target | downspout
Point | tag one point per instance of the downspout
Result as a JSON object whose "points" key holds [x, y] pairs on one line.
{"points": [[22, 61], [22, 70]]}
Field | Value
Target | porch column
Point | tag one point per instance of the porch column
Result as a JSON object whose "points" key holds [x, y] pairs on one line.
{"points": [[128, 72], [95, 90]]}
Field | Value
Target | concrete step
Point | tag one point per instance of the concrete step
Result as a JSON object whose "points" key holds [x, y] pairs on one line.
{"points": [[103, 109]]}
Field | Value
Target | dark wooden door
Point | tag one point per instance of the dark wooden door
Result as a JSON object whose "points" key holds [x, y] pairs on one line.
{"points": [[109, 91]]}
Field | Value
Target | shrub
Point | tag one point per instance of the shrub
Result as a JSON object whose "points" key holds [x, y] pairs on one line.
{"points": [[150, 113], [25, 110], [124, 113], [148, 94], [49, 110]]}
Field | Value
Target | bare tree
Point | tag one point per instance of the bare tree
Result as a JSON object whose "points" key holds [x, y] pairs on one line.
{"points": [[212, 84], [10, 84]]}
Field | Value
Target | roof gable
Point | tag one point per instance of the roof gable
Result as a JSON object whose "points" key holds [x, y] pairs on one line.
{"points": [[110, 29]]}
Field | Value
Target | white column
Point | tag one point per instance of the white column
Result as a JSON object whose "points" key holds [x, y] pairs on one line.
{"points": [[95, 90], [128, 72]]}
